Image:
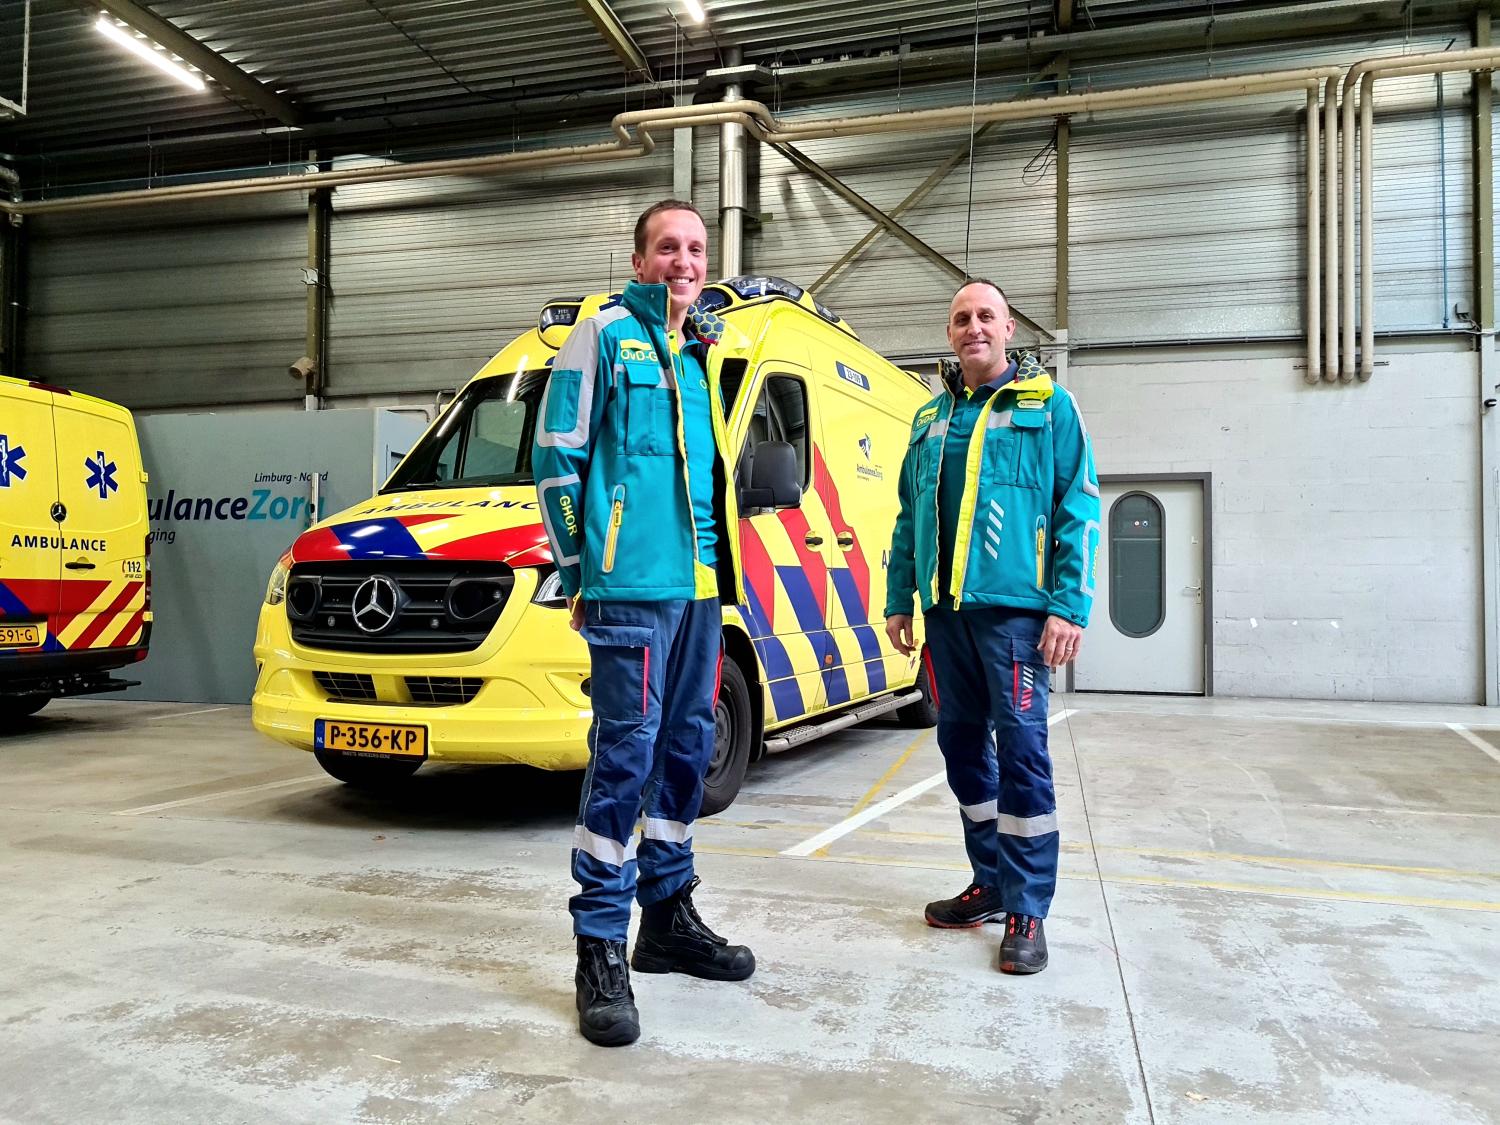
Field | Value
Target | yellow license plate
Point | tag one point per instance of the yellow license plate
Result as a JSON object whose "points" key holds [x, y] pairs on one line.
{"points": [[20, 636], [370, 740]]}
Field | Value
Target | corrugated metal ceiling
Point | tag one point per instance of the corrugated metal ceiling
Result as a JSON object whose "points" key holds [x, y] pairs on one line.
{"points": [[364, 57]]}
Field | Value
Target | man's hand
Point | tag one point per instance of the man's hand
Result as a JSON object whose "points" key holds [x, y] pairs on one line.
{"points": [[1060, 642], [575, 619], [898, 626]]}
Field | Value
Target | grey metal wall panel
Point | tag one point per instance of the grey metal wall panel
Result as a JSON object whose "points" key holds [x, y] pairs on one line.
{"points": [[431, 278], [896, 299], [193, 306], [1189, 225]]}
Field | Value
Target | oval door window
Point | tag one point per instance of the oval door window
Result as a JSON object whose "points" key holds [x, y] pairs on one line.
{"points": [[1137, 570]]}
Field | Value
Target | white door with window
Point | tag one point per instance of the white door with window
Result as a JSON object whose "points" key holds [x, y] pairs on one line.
{"points": [[1147, 630]]}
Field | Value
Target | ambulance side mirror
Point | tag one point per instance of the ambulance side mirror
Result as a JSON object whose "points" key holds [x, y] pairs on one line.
{"points": [[774, 479]]}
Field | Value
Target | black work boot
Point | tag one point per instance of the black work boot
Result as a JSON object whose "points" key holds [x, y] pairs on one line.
{"points": [[1024, 949], [673, 939], [974, 907], [606, 1002]]}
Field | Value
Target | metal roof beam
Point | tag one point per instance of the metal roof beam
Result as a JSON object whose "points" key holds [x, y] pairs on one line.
{"points": [[807, 164], [603, 17], [216, 66]]}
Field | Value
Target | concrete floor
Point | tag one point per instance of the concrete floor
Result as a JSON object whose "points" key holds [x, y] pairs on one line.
{"points": [[1268, 913]]}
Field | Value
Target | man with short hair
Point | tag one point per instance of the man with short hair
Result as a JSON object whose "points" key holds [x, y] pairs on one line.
{"points": [[998, 536], [630, 469]]}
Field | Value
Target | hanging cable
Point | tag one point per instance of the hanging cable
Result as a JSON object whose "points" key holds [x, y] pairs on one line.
{"points": [[973, 109]]}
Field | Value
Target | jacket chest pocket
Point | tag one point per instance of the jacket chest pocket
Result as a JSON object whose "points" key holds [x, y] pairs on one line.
{"points": [[649, 427], [1015, 446]]}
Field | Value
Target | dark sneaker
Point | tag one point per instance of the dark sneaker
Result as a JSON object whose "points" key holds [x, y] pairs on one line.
{"points": [[1024, 949], [673, 939], [974, 907], [606, 1003]]}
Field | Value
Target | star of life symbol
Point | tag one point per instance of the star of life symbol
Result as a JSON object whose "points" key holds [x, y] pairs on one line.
{"points": [[10, 461], [101, 475]]}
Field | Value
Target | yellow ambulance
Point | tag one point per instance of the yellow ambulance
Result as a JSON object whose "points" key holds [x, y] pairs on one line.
{"points": [[428, 623], [75, 582]]}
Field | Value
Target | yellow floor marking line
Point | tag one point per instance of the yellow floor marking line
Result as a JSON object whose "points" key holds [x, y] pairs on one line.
{"points": [[874, 812], [1473, 739], [885, 779]]}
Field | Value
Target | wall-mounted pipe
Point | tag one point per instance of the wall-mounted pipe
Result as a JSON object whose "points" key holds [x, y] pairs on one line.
{"points": [[633, 137], [1365, 73], [1314, 247], [1330, 364], [734, 179]]}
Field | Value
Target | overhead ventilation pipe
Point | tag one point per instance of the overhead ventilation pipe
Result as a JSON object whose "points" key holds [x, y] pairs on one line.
{"points": [[1362, 364], [733, 180]]}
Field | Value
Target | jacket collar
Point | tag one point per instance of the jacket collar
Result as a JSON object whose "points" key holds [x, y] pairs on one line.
{"points": [[648, 304], [1030, 376]]}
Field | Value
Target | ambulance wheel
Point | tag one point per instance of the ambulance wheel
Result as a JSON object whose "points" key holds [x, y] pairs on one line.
{"points": [[365, 773], [732, 734], [14, 707], [921, 712]]}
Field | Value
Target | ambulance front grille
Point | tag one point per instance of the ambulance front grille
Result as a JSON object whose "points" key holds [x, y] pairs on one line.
{"points": [[346, 687], [443, 690], [441, 607]]}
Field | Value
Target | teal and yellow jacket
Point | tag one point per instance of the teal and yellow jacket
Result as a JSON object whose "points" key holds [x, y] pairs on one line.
{"points": [[1028, 526], [610, 460]]}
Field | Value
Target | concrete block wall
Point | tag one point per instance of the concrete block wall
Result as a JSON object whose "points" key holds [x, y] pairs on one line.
{"points": [[1346, 537]]}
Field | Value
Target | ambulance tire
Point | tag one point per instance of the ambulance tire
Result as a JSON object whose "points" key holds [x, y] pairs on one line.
{"points": [[733, 732], [16, 707], [366, 773], [922, 712]]}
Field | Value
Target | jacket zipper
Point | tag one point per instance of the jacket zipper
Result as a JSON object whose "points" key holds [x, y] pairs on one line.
{"points": [[937, 482], [961, 572], [678, 425], [616, 518], [1041, 556]]}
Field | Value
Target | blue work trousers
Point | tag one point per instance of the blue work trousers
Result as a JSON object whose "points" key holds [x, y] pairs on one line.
{"points": [[654, 672], [991, 688]]}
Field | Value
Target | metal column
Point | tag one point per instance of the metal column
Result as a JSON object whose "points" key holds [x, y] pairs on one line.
{"points": [[733, 178], [12, 296], [682, 156], [319, 216]]}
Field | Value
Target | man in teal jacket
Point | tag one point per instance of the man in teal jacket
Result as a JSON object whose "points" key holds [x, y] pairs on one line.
{"points": [[997, 537], [629, 463]]}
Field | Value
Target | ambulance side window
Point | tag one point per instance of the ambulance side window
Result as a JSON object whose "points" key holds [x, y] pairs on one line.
{"points": [[780, 415]]}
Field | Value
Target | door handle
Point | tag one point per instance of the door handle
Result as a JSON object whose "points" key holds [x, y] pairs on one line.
{"points": [[79, 566], [845, 540], [1192, 589], [813, 540]]}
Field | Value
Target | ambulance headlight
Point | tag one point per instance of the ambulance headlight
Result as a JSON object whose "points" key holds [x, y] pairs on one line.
{"points": [[550, 592], [276, 588]]}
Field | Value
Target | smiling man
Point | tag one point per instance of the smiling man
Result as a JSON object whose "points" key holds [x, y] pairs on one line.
{"points": [[997, 536], [630, 472]]}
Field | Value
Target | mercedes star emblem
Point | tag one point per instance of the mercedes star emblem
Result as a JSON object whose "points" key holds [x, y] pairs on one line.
{"points": [[375, 603]]}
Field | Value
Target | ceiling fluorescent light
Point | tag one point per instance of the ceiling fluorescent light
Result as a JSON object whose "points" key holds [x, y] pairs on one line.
{"points": [[147, 50], [694, 10]]}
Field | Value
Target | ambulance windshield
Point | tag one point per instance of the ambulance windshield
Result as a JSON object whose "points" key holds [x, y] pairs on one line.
{"points": [[484, 438]]}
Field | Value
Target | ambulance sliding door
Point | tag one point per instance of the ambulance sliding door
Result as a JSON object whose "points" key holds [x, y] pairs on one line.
{"points": [[28, 489], [856, 477], [785, 555]]}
